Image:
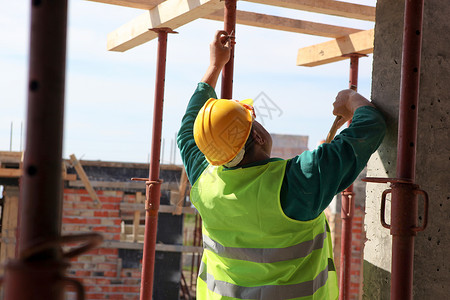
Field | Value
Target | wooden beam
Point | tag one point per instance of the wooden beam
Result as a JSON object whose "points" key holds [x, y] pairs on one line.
{"points": [[329, 7], [159, 247], [332, 51], [131, 185], [84, 179], [141, 4], [9, 224], [162, 208], [113, 164], [16, 173], [137, 217], [170, 13], [181, 193], [285, 24], [10, 173]]}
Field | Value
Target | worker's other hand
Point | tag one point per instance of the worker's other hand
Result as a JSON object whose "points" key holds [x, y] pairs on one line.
{"points": [[220, 49], [347, 101]]}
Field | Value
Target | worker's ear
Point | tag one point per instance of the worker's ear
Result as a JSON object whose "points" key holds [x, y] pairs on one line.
{"points": [[258, 138]]}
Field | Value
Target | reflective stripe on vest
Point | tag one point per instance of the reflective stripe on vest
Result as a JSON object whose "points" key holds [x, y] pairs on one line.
{"points": [[266, 292], [266, 255], [252, 249]]}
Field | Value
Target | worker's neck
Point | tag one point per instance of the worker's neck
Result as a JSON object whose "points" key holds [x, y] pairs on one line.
{"points": [[256, 155]]}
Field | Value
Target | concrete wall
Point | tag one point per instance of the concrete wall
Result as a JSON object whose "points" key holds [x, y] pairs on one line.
{"points": [[432, 272]]}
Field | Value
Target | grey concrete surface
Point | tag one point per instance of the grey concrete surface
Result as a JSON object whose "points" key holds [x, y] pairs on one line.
{"points": [[431, 264]]}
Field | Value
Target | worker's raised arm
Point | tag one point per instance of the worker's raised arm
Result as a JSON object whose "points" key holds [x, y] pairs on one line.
{"points": [[193, 159], [316, 176]]}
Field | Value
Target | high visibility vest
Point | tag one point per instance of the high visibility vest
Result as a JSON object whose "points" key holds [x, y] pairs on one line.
{"points": [[252, 250]]}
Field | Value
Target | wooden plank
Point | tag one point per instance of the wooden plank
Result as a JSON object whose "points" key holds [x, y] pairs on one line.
{"points": [[10, 173], [162, 208], [10, 156], [285, 24], [329, 7], [332, 51], [119, 185], [113, 164], [9, 224], [16, 173], [170, 13], [158, 247], [181, 193], [84, 179], [137, 217], [141, 4]]}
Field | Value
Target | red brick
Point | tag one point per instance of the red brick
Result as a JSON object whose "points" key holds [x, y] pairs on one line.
{"points": [[106, 251], [86, 199], [95, 296], [111, 199], [111, 206], [92, 252], [72, 220], [101, 213], [110, 274], [102, 281], [115, 296], [113, 214]]}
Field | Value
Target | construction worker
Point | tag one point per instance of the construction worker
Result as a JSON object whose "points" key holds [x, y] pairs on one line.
{"points": [[265, 235]]}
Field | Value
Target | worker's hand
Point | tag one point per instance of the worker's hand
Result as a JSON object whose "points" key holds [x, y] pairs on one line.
{"points": [[220, 49], [347, 101]]}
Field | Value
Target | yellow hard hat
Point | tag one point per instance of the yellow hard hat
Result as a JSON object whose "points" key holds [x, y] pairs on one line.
{"points": [[222, 128]]}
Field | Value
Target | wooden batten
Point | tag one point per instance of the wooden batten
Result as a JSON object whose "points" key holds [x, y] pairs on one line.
{"points": [[141, 4], [170, 13], [285, 24], [332, 51], [329, 7]]}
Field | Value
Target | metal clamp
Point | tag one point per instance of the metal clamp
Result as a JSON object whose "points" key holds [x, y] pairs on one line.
{"points": [[383, 209], [149, 183], [425, 210], [416, 191], [350, 196]]}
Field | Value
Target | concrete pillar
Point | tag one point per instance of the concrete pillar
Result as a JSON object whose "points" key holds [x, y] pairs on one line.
{"points": [[431, 271]]}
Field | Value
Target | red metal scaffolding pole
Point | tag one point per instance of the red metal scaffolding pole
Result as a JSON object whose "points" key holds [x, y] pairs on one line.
{"points": [[404, 195], [38, 273], [348, 207], [153, 190], [404, 200], [227, 72]]}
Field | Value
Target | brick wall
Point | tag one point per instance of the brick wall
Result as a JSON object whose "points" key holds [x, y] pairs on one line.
{"points": [[358, 239], [99, 269]]}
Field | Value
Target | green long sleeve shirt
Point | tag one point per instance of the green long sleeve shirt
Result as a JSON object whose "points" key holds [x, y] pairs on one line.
{"points": [[312, 178]]}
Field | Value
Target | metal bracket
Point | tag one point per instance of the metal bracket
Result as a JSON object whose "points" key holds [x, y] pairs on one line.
{"points": [[162, 29], [149, 183], [396, 182]]}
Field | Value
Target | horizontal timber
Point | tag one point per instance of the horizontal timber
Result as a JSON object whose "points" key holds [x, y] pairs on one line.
{"points": [[159, 247], [332, 51], [285, 24]]}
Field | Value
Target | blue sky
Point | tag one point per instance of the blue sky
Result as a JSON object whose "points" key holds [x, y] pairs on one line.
{"points": [[109, 95]]}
